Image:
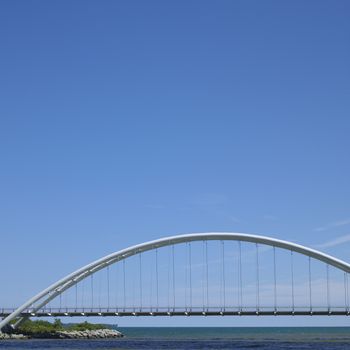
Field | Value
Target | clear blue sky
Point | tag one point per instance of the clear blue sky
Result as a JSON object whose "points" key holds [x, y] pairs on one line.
{"points": [[121, 122]]}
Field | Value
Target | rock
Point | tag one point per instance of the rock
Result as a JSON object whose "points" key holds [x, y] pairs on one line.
{"points": [[5, 336], [93, 334]]}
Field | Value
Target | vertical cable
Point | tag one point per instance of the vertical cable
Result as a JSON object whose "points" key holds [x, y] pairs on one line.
{"points": [[328, 292], [207, 272], [190, 259], [82, 293], [133, 301], [223, 275], [124, 287], [203, 274], [173, 256], [310, 286], [140, 275], [292, 274], [186, 276], [345, 301], [151, 288], [76, 296], [99, 289], [108, 288], [240, 289], [60, 301], [346, 287], [274, 278], [346, 292], [116, 286], [221, 279], [92, 290], [65, 300], [257, 278], [47, 307], [169, 278], [157, 281]]}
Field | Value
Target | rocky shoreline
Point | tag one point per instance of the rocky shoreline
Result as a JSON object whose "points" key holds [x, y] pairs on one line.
{"points": [[5, 336], [87, 334]]}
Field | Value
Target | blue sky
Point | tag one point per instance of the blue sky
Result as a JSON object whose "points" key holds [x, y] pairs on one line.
{"points": [[121, 122]]}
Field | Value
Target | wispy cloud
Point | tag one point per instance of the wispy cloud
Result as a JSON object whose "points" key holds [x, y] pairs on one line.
{"points": [[333, 225], [334, 242], [233, 219], [210, 200]]}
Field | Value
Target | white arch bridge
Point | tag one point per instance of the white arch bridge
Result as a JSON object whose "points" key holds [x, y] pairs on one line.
{"points": [[202, 274]]}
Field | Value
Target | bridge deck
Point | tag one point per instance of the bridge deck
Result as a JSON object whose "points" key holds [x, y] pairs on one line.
{"points": [[179, 313]]}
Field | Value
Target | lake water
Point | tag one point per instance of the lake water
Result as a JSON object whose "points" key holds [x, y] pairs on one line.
{"points": [[205, 338]]}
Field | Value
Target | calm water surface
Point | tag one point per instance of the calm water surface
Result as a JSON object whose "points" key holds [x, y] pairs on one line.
{"points": [[204, 338]]}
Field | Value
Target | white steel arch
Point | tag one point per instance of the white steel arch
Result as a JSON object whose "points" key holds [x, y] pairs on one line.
{"points": [[70, 280]]}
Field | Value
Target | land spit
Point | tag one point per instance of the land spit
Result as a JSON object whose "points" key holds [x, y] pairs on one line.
{"points": [[5, 336], [87, 334]]}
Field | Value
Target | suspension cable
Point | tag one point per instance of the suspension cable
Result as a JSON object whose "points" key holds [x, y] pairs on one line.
{"points": [[108, 288], [151, 288], [328, 291], [133, 298], [240, 289], [186, 272], [47, 306], [275, 278], [169, 278], [292, 275], [346, 287], [190, 261], [310, 286], [65, 300], [257, 278], [82, 293], [207, 272], [157, 281], [173, 256], [140, 275], [203, 274], [99, 289], [116, 286], [124, 286], [223, 275], [76, 296]]}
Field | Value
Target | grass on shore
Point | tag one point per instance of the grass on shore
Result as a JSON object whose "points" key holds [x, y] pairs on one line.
{"points": [[36, 327]]}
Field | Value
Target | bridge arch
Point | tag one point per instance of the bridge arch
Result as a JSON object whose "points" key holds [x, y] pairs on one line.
{"points": [[70, 280]]}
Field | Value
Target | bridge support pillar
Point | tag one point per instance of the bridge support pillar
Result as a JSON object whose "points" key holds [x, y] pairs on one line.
{"points": [[8, 329]]}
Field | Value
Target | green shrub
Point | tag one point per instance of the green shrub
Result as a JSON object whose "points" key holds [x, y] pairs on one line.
{"points": [[85, 326], [39, 327]]}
